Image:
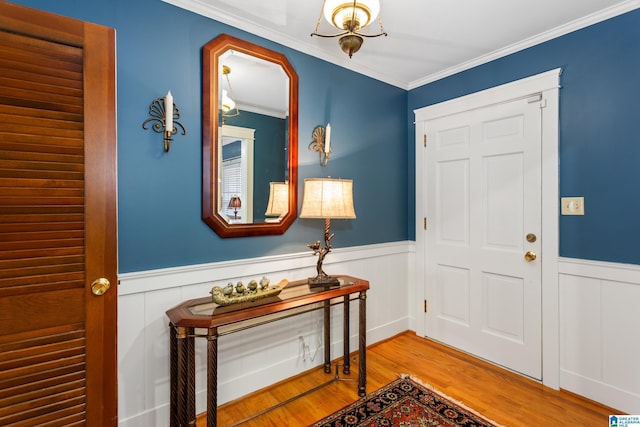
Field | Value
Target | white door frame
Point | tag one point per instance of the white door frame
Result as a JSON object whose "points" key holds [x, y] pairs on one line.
{"points": [[548, 84]]}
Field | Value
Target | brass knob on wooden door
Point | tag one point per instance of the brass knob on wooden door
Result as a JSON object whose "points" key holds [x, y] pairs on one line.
{"points": [[100, 286], [530, 256]]}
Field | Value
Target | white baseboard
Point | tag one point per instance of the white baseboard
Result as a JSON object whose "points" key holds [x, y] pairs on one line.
{"points": [[621, 400]]}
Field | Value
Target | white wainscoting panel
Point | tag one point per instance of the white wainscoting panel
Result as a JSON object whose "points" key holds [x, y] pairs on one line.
{"points": [[599, 332], [256, 357]]}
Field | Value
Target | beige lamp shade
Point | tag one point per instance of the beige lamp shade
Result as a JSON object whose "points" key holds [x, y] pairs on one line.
{"points": [[278, 199], [327, 198]]}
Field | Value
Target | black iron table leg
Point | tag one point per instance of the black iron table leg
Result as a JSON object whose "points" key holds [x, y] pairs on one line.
{"points": [[327, 337], [362, 350], [190, 347], [212, 377], [346, 364]]}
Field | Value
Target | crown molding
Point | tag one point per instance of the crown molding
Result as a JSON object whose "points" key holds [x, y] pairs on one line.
{"points": [[578, 24]]}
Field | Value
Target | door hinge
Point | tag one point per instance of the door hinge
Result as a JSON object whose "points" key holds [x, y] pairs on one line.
{"points": [[425, 139], [426, 305], [425, 223]]}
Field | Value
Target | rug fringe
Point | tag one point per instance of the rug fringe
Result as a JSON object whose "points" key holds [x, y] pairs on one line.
{"points": [[446, 396]]}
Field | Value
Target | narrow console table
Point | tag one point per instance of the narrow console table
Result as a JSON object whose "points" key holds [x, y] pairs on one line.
{"points": [[296, 298]]}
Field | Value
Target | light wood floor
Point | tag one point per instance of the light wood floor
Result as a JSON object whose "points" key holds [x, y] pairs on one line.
{"points": [[505, 397]]}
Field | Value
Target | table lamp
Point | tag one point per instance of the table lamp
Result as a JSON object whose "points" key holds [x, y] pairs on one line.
{"points": [[278, 204], [326, 198], [235, 203]]}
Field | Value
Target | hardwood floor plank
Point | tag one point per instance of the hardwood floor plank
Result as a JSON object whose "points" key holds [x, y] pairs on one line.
{"points": [[501, 395]]}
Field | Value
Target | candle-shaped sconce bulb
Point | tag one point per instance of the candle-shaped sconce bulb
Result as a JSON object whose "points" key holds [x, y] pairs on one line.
{"points": [[168, 111], [327, 139]]}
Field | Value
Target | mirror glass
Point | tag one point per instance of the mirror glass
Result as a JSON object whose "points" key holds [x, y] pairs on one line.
{"points": [[250, 108]]}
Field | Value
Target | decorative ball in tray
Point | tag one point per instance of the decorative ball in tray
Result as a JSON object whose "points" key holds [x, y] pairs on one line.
{"points": [[240, 293]]}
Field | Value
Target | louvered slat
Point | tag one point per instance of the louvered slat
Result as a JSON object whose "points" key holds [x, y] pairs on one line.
{"points": [[38, 117], [39, 253], [39, 183], [26, 284], [31, 219], [43, 235]]}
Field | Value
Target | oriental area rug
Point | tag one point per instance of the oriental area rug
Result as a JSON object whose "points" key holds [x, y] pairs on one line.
{"points": [[406, 402]]}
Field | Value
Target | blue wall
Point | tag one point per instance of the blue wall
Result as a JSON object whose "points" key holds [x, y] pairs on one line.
{"points": [[599, 130], [159, 194]]}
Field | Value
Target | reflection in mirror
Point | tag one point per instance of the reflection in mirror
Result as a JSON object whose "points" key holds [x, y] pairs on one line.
{"points": [[278, 205], [254, 111], [249, 138], [236, 174]]}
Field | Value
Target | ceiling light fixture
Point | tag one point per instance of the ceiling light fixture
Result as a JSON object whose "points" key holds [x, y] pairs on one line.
{"points": [[229, 107], [351, 17]]}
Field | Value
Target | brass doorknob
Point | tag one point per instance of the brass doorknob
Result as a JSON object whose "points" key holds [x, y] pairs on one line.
{"points": [[100, 286], [530, 256]]}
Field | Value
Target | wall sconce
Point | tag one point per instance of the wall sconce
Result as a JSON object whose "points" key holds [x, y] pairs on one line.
{"points": [[235, 203], [326, 198], [351, 17], [164, 113], [321, 143]]}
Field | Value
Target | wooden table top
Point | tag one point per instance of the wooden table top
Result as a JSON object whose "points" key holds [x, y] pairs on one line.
{"points": [[204, 313]]}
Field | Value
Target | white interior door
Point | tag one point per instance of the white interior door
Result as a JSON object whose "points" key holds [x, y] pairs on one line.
{"points": [[483, 207]]}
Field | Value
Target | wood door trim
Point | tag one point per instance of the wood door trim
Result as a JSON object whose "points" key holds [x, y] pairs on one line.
{"points": [[101, 237]]}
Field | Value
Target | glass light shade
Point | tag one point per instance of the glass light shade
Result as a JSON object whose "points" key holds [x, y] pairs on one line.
{"points": [[227, 103], [327, 198], [339, 12], [278, 199]]}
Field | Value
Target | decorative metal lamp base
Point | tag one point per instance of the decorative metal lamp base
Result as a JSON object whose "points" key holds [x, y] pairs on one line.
{"points": [[322, 279], [323, 282]]}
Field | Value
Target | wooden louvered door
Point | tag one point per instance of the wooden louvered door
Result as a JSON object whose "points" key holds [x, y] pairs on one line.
{"points": [[58, 362]]}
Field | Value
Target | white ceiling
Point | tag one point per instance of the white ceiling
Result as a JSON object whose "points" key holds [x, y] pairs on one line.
{"points": [[268, 94], [427, 39]]}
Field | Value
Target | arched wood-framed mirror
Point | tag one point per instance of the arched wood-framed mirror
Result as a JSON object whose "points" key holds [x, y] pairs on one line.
{"points": [[249, 138]]}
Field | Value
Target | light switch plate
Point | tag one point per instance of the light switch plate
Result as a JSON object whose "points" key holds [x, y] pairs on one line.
{"points": [[572, 205]]}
